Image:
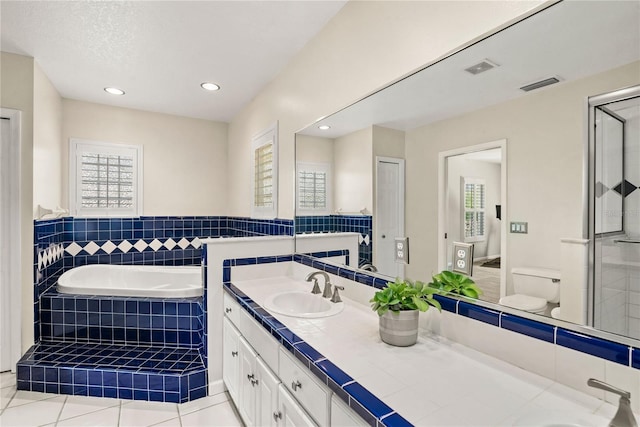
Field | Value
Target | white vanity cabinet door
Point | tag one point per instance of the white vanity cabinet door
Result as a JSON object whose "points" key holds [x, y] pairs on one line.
{"points": [[230, 357], [343, 416], [231, 308], [310, 392], [267, 394], [247, 388], [291, 413]]}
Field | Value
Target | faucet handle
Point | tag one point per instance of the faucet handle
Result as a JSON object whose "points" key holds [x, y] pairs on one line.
{"points": [[316, 287], [336, 295], [326, 293], [592, 382]]}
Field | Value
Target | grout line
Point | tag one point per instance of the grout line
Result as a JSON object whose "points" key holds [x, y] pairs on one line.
{"points": [[120, 413], [61, 409]]}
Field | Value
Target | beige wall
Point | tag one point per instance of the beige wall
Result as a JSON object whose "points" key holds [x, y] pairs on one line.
{"points": [[365, 46], [16, 92], [352, 172], [47, 142], [185, 167], [314, 149], [545, 132]]}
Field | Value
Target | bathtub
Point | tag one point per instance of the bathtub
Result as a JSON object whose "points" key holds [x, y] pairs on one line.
{"points": [[132, 281]]}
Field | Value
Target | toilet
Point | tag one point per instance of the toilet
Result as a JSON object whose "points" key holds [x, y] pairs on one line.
{"points": [[534, 288]]}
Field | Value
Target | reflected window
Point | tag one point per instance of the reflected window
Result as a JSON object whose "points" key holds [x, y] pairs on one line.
{"points": [[265, 174], [313, 188], [474, 195]]}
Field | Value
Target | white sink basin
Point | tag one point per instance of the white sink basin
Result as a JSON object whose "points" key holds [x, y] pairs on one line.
{"points": [[302, 304]]}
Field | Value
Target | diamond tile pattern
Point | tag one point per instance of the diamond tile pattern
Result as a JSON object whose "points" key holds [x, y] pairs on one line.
{"points": [[125, 246], [625, 188], [50, 255]]}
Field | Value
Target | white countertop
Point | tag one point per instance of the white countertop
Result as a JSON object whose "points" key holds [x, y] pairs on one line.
{"points": [[435, 382]]}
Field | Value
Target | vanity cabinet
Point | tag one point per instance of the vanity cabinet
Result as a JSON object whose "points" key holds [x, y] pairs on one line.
{"points": [[291, 413], [247, 393], [343, 416], [230, 357]]}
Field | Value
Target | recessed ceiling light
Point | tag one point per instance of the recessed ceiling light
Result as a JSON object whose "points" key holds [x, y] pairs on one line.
{"points": [[324, 127], [209, 86], [114, 91]]}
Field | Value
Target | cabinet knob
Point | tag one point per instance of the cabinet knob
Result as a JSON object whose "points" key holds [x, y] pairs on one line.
{"points": [[250, 377], [227, 310], [277, 416], [295, 385], [254, 383], [234, 353]]}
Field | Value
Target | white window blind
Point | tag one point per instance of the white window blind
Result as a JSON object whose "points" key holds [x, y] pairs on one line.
{"points": [[314, 184], [265, 174], [105, 179], [474, 200]]}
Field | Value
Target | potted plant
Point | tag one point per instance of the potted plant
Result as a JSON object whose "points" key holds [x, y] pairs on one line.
{"points": [[398, 305], [455, 283]]}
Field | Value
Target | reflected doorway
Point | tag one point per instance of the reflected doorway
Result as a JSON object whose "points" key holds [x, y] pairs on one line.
{"points": [[388, 215], [472, 209]]}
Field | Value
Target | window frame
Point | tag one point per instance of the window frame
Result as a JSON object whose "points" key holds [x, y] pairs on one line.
{"points": [[314, 167], [77, 146], [475, 181], [267, 136]]}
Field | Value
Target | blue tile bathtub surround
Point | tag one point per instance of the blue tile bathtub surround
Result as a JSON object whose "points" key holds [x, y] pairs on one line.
{"points": [[362, 224], [583, 343], [598, 347]]}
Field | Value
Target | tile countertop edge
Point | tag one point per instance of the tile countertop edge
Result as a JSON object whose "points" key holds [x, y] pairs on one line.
{"points": [[372, 409]]}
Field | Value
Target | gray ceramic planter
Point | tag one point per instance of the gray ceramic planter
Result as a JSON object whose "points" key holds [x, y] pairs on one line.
{"points": [[399, 329]]}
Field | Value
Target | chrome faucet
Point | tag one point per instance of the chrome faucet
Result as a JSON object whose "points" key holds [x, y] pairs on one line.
{"points": [[624, 417], [336, 296], [316, 288], [369, 267]]}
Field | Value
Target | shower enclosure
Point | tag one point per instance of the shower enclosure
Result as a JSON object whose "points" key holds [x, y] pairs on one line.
{"points": [[614, 206]]}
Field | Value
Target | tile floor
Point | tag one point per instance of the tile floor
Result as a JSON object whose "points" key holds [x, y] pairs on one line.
{"points": [[25, 408]]}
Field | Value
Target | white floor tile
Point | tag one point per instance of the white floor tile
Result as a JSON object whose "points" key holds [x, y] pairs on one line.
{"points": [[7, 379], [81, 405], [221, 415], [24, 397], [6, 394], [204, 402], [103, 418], [35, 413], [143, 414], [174, 422]]}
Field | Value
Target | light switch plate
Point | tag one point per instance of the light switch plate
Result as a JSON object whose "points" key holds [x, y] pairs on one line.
{"points": [[401, 250], [519, 227]]}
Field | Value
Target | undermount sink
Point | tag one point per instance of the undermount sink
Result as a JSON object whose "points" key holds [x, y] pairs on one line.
{"points": [[302, 304]]}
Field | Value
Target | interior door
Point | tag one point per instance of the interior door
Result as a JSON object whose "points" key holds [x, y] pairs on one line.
{"points": [[389, 215]]}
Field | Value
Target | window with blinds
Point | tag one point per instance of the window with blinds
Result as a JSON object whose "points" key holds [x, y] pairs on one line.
{"points": [[313, 188], [265, 174], [474, 200], [105, 178]]}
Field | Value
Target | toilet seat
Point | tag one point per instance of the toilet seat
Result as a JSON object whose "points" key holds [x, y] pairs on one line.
{"points": [[525, 302]]}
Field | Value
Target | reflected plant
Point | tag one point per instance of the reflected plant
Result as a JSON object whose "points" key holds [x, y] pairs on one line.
{"points": [[403, 295], [455, 283]]}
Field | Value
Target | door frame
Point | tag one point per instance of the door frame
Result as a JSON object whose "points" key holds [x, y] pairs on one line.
{"points": [[11, 225], [443, 222], [401, 193]]}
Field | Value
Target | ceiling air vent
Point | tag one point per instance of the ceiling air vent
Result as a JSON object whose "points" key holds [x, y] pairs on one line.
{"points": [[539, 84], [481, 67]]}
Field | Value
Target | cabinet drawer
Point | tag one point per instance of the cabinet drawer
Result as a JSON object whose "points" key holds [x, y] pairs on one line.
{"points": [[313, 395], [261, 340], [231, 308]]}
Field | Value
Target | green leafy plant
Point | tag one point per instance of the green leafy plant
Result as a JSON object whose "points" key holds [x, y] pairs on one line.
{"points": [[404, 295], [455, 283]]}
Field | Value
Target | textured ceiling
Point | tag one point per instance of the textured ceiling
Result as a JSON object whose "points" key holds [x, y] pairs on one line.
{"points": [[160, 52]]}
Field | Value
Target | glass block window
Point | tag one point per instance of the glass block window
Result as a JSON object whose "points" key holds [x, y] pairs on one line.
{"points": [[105, 179], [265, 174], [473, 201], [314, 185]]}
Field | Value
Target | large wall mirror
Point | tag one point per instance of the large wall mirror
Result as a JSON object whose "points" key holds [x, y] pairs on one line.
{"points": [[490, 147]]}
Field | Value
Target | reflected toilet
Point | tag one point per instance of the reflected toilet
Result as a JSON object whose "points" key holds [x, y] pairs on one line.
{"points": [[534, 289]]}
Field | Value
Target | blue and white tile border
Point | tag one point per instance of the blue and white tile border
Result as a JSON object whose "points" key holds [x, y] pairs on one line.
{"points": [[375, 412]]}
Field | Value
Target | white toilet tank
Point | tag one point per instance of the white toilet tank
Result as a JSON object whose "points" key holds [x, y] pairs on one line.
{"points": [[537, 282]]}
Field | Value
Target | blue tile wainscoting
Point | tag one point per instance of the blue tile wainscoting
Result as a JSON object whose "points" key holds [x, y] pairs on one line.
{"points": [[124, 347], [375, 412], [362, 224]]}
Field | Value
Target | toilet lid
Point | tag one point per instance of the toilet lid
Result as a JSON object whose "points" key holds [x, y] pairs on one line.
{"points": [[524, 302]]}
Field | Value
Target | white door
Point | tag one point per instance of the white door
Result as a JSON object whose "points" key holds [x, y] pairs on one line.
{"points": [[5, 292], [267, 398], [230, 358], [291, 413], [247, 384], [389, 215]]}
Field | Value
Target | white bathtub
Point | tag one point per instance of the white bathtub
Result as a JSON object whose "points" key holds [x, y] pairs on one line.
{"points": [[132, 281]]}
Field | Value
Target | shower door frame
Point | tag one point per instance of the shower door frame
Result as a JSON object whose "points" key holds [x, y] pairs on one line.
{"points": [[589, 183]]}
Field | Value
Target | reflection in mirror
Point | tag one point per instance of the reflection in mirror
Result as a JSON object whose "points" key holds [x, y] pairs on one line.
{"points": [[529, 226]]}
